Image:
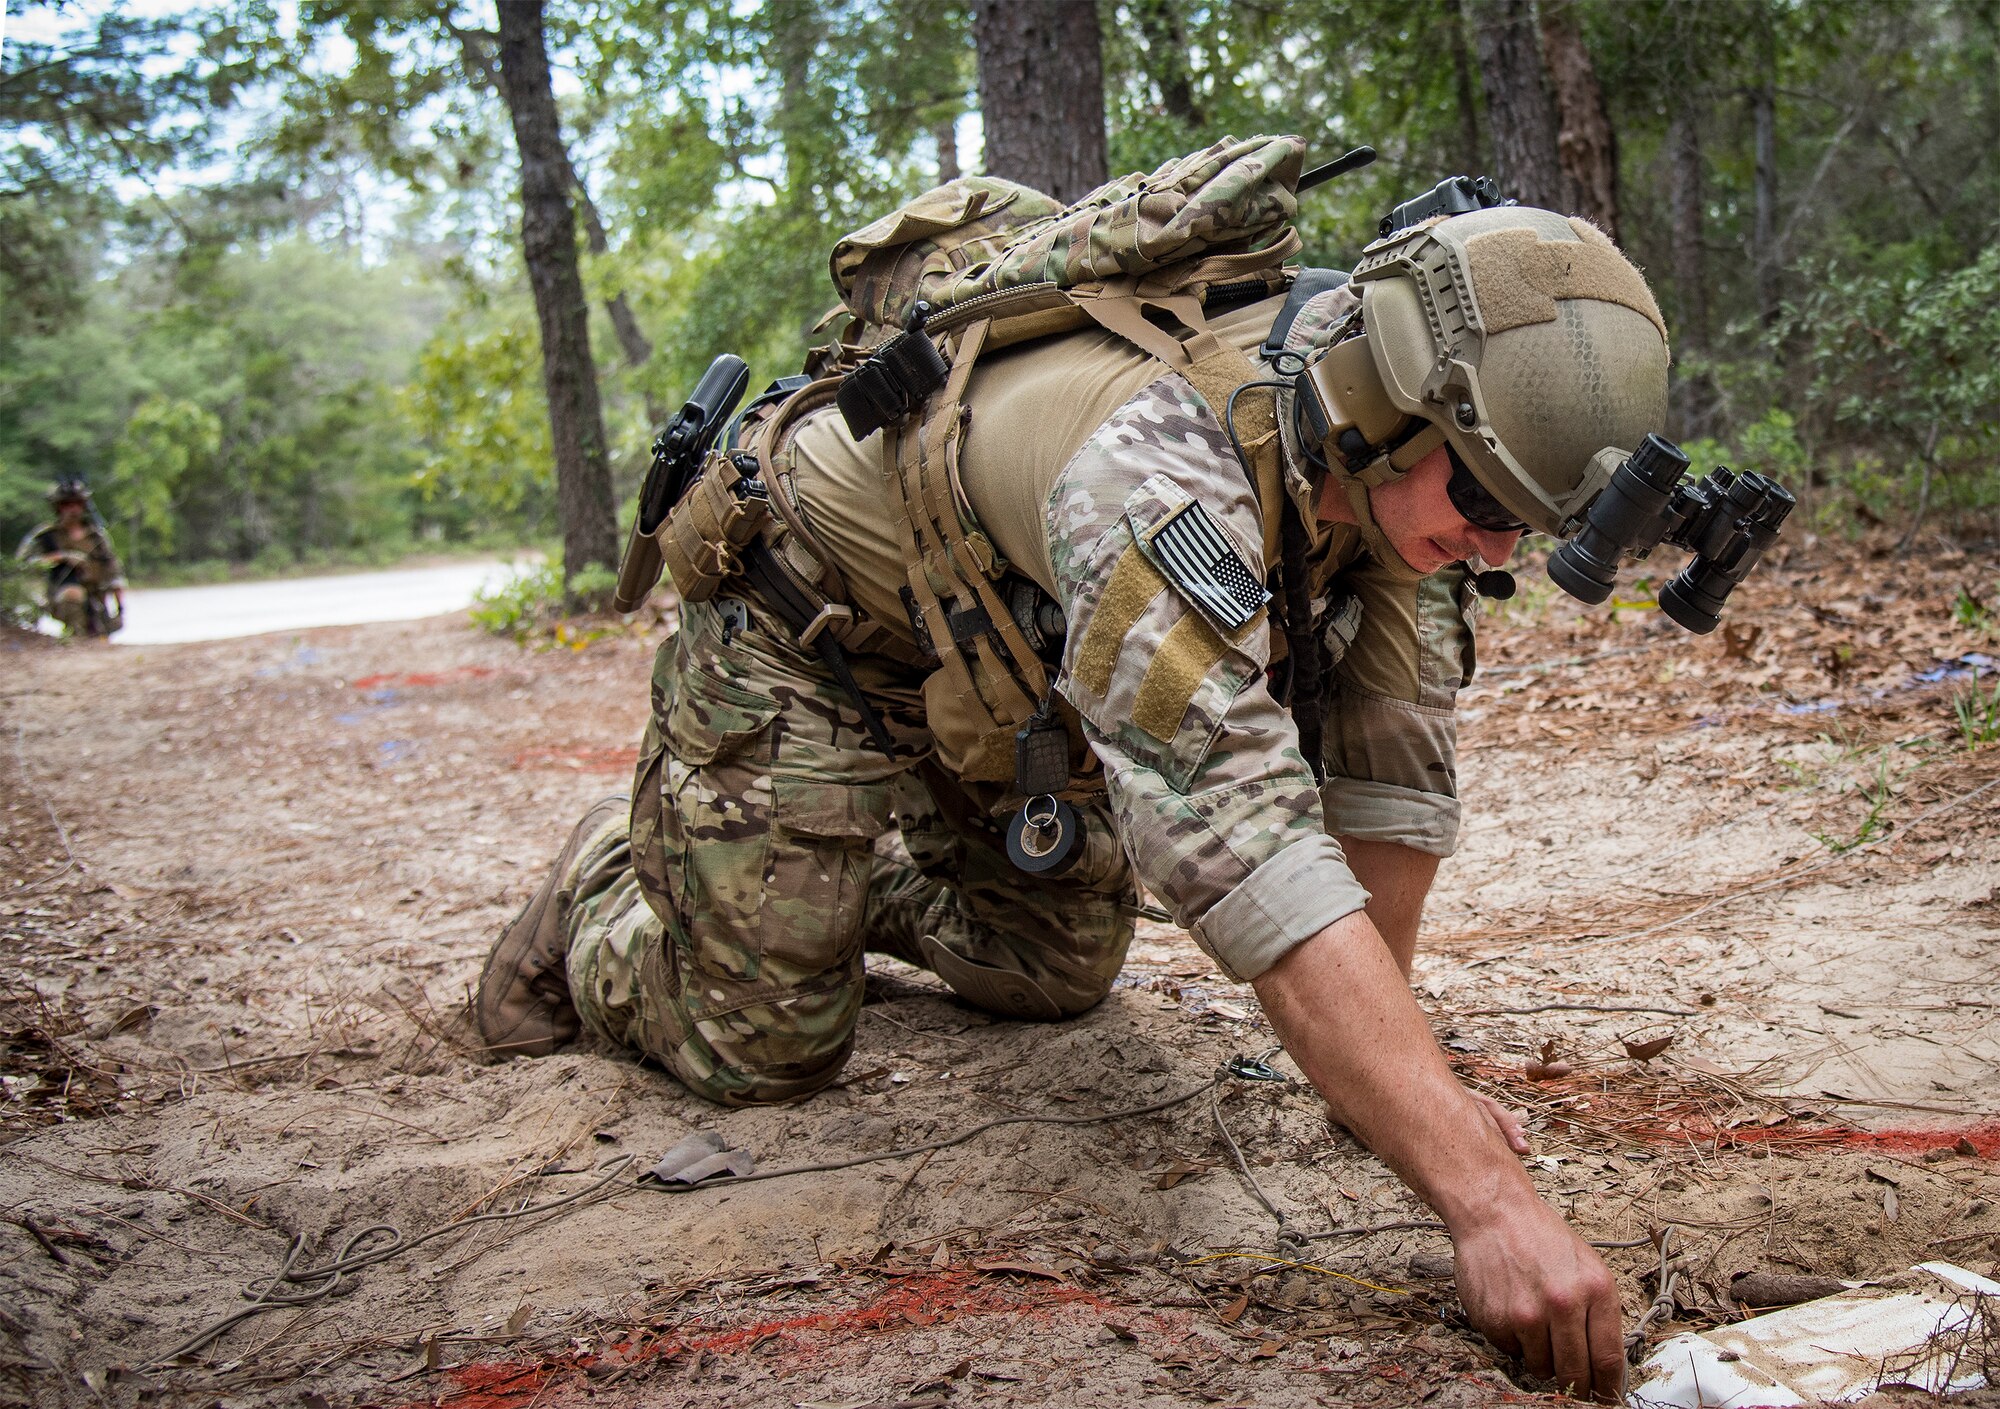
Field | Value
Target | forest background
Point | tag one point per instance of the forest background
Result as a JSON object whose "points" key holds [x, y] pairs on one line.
{"points": [[342, 280]]}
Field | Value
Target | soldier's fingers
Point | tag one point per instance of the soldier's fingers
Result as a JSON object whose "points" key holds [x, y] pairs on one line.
{"points": [[1607, 1348], [1506, 1122], [1536, 1354], [1570, 1343]]}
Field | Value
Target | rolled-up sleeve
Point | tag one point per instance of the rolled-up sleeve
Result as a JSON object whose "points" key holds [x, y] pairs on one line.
{"points": [[1215, 802]]}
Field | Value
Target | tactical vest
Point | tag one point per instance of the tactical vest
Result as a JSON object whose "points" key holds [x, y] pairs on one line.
{"points": [[980, 265]]}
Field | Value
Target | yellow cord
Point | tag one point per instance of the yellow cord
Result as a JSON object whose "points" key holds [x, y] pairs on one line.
{"points": [[1308, 1266]]}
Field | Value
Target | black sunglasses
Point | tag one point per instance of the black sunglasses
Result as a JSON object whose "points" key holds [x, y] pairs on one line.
{"points": [[1475, 503]]}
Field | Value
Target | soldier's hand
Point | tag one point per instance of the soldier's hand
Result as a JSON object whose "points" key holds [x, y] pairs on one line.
{"points": [[1505, 1121], [1536, 1290]]}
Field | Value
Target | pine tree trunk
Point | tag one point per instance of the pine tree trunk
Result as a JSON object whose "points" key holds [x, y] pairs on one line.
{"points": [[1684, 201], [548, 243], [1764, 179], [1585, 141], [1041, 93], [945, 135], [1526, 159], [1167, 60], [1465, 88], [638, 348]]}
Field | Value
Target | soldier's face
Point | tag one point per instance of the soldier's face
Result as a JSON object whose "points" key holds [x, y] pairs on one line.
{"points": [[70, 511], [1416, 515]]}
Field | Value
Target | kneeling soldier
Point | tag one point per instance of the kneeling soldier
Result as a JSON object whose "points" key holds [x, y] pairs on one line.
{"points": [[1463, 387], [83, 569]]}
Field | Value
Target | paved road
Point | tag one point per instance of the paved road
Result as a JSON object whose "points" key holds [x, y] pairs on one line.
{"points": [[161, 615]]}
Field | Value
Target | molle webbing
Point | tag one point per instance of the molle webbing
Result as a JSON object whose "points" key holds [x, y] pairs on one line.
{"points": [[951, 574]]}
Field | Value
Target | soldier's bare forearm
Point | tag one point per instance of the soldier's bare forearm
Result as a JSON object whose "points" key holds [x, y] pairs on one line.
{"points": [[1344, 1011], [1397, 878]]}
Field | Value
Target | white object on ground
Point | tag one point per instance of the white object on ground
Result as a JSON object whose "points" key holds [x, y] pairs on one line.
{"points": [[1833, 1350], [160, 616]]}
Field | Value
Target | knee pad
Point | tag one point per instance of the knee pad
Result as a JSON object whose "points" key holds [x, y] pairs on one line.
{"points": [[1004, 992]]}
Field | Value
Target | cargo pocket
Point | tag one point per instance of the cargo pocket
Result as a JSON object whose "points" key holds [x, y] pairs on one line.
{"points": [[704, 858], [822, 854]]}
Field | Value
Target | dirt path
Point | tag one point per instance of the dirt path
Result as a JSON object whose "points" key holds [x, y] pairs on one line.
{"points": [[245, 885]]}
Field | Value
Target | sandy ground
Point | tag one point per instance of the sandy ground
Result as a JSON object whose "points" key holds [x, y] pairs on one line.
{"points": [[245, 885]]}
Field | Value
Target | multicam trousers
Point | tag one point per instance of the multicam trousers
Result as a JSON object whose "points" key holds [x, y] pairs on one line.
{"points": [[772, 843]]}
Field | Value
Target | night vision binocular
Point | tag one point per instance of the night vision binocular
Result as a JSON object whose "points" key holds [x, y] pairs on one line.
{"points": [[1727, 520]]}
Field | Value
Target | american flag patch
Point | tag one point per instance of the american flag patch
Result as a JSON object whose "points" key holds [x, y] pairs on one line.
{"points": [[1198, 559]]}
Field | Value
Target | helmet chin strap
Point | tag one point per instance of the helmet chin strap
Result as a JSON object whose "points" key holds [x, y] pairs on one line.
{"points": [[1379, 469]]}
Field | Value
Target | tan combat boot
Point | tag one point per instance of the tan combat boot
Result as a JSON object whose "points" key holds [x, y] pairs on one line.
{"points": [[523, 1007]]}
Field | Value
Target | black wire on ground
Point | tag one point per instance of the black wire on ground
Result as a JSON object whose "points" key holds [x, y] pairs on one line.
{"points": [[907, 1151], [266, 1295]]}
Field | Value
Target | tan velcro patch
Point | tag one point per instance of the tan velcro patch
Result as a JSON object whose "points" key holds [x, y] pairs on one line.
{"points": [[1189, 652], [1134, 583], [1518, 276]]}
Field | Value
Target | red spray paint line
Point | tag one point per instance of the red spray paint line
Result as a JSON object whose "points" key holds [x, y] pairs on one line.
{"points": [[423, 678], [582, 758], [912, 1301], [1984, 1139]]}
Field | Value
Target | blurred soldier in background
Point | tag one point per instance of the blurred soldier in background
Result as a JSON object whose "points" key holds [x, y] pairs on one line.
{"points": [[86, 587]]}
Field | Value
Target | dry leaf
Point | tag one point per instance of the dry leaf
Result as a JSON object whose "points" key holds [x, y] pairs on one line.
{"points": [[1546, 1071], [1739, 641], [1889, 1204], [1026, 1269], [134, 1017], [522, 1315], [1649, 1049], [1232, 1313], [1175, 1172], [1770, 1289]]}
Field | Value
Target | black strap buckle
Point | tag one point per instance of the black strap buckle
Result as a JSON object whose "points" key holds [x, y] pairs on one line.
{"points": [[895, 380]]}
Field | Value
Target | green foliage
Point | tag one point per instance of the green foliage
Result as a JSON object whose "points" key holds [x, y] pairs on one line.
{"points": [[476, 406], [20, 593], [523, 604], [1878, 790], [1978, 714], [1974, 612], [162, 444], [328, 350], [1904, 357]]}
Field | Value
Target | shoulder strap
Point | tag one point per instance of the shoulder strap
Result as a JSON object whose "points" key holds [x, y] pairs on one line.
{"points": [[1310, 284]]}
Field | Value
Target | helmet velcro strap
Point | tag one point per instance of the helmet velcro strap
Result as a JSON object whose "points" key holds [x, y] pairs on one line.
{"points": [[1521, 276]]}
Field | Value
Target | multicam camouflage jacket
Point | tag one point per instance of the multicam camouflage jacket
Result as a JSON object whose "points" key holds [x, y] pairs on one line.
{"points": [[1167, 667], [95, 562]]}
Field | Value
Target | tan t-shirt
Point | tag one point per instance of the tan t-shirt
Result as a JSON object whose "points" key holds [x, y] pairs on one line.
{"points": [[1033, 407]]}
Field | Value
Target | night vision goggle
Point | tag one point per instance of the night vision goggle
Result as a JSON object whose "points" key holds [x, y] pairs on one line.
{"points": [[1727, 519]]}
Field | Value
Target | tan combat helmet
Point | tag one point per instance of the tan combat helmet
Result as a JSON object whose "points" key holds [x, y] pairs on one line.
{"points": [[1526, 339]]}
